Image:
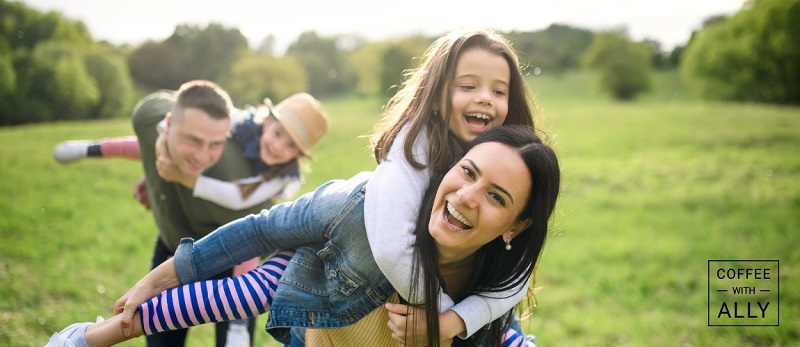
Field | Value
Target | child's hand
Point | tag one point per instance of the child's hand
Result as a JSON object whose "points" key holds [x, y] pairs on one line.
{"points": [[409, 326], [170, 172], [161, 145]]}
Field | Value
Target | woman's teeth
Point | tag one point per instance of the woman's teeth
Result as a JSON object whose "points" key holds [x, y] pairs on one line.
{"points": [[453, 212]]}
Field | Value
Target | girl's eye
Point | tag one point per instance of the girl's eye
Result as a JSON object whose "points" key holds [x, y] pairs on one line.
{"points": [[497, 198], [468, 172], [467, 86], [500, 92]]}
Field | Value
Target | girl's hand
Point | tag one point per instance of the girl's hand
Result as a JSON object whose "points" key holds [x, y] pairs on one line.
{"points": [[409, 326], [159, 279], [170, 172]]}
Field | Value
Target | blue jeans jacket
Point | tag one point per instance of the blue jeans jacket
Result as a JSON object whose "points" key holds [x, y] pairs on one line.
{"points": [[332, 280]]}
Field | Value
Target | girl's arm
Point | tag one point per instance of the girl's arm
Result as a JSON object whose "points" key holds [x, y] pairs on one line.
{"points": [[479, 310], [394, 195], [229, 195]]}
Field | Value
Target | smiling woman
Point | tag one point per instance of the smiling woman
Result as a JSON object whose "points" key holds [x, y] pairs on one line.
{"points": [[499, 204], [478, 201]]}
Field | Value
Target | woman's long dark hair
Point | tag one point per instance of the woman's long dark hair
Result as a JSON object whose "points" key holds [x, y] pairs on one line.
{"points": [[497, 269]]}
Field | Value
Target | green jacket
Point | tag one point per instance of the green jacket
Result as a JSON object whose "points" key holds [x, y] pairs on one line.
{"points": [[177, 212]]}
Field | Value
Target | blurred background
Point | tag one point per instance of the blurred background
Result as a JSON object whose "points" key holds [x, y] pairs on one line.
{"points": [[677, 125]]}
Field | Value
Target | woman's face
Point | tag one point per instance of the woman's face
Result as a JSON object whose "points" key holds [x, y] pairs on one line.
{"points": [[479, 93], [479, 200], [276, 146]]}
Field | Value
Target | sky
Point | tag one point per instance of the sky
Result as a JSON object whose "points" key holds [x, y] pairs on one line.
{"points": [[136, 21]]}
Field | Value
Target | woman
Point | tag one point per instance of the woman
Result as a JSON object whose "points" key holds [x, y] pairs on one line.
{"points": [[490, 211]]}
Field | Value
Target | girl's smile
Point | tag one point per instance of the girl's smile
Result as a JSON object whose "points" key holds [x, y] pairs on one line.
{"points": [[479, 98]]}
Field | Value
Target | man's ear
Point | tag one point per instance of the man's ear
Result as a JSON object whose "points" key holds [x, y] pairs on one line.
{"points": [[168, 120]]}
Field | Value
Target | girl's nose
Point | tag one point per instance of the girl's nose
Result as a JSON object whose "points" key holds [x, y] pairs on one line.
{"points": [[484, 97]]}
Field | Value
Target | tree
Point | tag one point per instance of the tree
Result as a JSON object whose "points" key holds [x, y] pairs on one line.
{"points": [[255, 77], [752, 56], [554, 50], [190, 53], [365, 62], [324, 63], [110, 74], [623, 65], [59, 80]]}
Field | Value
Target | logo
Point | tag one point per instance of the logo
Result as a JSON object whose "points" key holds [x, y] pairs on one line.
{"points": [[743, 293]]}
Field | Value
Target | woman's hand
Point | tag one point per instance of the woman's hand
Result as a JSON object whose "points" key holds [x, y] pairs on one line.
{"points": [[159, 279]]}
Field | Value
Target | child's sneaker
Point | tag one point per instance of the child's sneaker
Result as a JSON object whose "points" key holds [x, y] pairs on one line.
{"points": [[71, 336], [238, 336], [71, 151], [530, 340]]}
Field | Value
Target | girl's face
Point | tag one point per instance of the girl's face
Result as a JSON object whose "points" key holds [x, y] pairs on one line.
{"points": [[479, 200], [480, 93], [276, 146]]}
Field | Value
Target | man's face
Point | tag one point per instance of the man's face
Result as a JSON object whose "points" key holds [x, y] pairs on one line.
{"points": [[195, 141]]}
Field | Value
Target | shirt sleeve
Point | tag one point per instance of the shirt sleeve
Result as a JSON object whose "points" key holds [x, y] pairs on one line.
{"points": [[479, 310], [393, 199], [228, 195]]}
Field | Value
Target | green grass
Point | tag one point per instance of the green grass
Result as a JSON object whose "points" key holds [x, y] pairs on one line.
{"points": [[652, 190]]}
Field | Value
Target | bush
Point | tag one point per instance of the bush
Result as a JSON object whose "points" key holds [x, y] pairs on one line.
{"points": [[751, 56], [623, 65]]}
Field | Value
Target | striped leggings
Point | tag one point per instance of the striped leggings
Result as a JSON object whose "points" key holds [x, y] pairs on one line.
{"points": [[244, 296]]}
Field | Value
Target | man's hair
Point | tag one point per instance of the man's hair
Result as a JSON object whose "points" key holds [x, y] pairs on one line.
{"points": [[203, 95]]}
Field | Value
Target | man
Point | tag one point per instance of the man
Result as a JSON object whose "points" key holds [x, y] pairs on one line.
{"points": [[197, 122]]}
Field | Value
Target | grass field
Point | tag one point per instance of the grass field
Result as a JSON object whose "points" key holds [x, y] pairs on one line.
{"points": [[652, 191]]}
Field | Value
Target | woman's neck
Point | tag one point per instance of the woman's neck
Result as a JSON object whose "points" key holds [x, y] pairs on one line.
{"points": [[456, 275]]}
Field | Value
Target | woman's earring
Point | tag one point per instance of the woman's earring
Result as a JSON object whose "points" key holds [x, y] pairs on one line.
{"points": [[508, 245]]}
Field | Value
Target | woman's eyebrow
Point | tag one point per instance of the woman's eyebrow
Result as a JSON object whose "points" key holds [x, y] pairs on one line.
{"points": [[478, 170]]}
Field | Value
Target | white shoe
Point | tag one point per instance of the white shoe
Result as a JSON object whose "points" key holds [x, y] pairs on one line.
{"points": [[71, 336], [238, 336], [530, 340], [71, 151]]}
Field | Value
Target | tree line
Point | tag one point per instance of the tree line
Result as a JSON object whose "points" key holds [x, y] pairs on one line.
{"points": [[52, 69]]}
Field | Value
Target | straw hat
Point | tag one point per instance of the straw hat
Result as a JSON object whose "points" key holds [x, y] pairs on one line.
{"points": [[303, 117]]}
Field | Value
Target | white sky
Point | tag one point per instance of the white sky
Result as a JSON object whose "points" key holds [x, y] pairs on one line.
{"points": [[134, 21]]}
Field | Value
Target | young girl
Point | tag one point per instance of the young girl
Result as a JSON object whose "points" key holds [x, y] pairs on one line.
{"points": [[504, 189], [274, 139], [468, 83]]}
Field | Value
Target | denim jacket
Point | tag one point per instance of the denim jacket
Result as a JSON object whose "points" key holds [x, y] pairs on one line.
{"points": [[332, 280]]}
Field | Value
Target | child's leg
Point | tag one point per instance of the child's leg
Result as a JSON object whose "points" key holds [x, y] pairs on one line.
{"points": [[238, 334], [513, 336], [197, 303], [120, 147], [210, 301]]}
